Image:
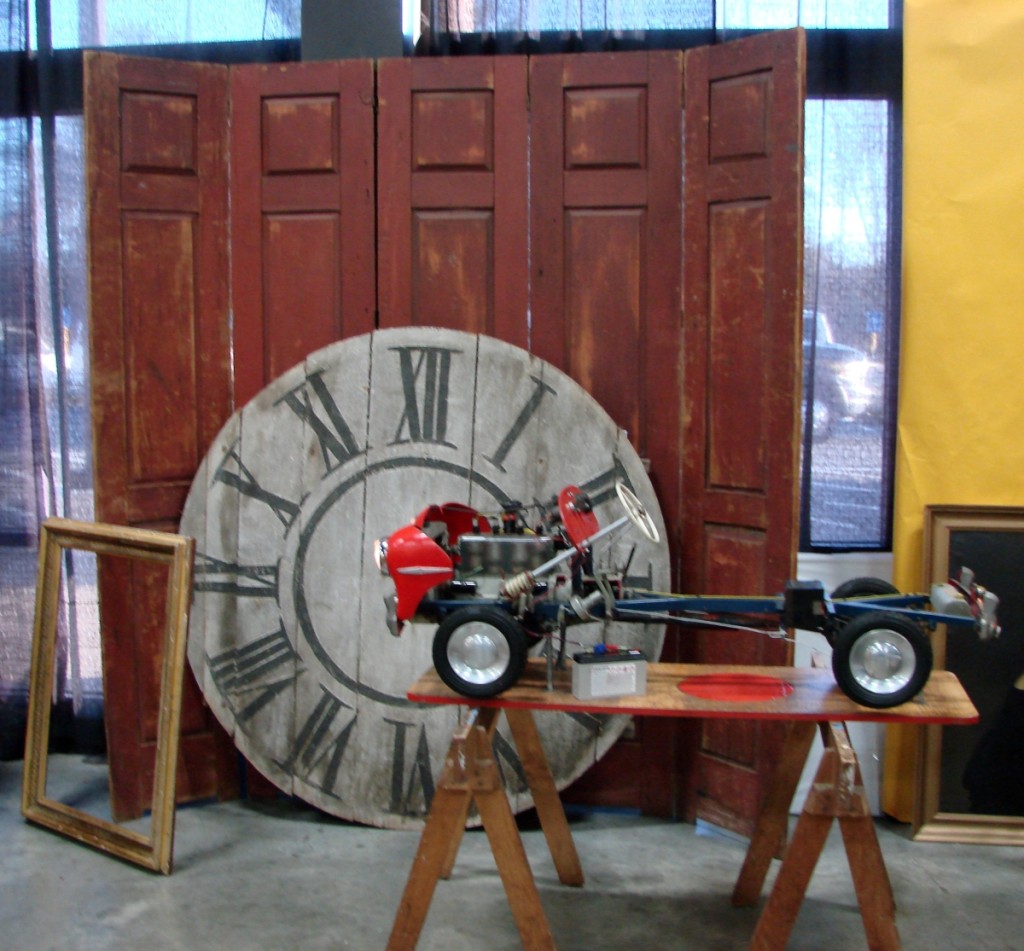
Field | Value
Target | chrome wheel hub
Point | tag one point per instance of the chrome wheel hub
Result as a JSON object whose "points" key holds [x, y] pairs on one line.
{"points": [[882, 661], [478, 653]]}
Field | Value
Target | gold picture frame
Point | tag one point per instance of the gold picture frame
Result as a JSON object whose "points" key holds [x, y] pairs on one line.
{"points": [[990, 541], [155, 851]]}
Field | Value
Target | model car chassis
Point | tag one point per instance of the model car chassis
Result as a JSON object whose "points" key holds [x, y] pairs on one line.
{"points": [[497, 588]]}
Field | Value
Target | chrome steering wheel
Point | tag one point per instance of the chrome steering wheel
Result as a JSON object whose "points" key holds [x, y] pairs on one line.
{"points": [[636, 512]]}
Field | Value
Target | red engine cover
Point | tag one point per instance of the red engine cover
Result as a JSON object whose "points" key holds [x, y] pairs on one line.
{"points": [[459, 519]]}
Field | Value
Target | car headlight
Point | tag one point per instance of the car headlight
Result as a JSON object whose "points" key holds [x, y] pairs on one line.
{"points": [[380, 555], [856, 372]]}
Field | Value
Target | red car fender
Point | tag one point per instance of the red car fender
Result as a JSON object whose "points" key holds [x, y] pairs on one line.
{"points": [[416, 563]]}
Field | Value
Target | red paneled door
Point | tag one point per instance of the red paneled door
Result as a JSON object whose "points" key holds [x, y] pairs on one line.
{"points": [[156, 139], [302, 220], [606, 263], [741, 396], [302, 213], [299, 158]]}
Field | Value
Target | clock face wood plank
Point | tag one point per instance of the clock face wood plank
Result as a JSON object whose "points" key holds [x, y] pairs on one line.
{"points": [[289, 639]]}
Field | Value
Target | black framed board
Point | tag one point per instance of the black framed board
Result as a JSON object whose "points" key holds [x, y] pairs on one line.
{"points": [[970, 780]]}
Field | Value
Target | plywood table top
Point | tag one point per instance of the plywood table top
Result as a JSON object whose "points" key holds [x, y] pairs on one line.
{"points": [[679, 690]]}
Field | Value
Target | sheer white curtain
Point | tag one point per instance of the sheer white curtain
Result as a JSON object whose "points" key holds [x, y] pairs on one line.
{"points": [[45, 454]]}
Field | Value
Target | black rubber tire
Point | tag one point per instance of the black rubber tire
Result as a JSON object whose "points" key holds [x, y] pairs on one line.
{"points": [[492, 624], [823, 420], [864, 587], [905, 643]]}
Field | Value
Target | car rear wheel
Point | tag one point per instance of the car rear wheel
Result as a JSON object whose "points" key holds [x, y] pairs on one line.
{"points": [[864, 587], [479, 651], [822, 421]]}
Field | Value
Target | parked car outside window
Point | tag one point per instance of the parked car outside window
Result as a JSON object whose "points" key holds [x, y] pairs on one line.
{"points": [[846, 383]]}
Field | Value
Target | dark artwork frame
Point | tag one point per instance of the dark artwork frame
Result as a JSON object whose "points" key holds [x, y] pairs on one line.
{"points": [[970, 780]]}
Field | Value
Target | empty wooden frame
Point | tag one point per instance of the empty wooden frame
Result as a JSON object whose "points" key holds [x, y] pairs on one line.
{"points": [[952, 804], [154, 851]]}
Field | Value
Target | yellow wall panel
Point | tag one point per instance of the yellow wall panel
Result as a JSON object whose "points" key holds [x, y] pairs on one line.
{"points": [[961, 413]]}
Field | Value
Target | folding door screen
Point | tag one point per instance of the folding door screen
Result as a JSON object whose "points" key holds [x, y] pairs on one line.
{"points": [[241, 218]]}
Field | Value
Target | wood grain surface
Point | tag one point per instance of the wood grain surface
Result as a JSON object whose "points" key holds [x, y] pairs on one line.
{"points": [[815, 696]]}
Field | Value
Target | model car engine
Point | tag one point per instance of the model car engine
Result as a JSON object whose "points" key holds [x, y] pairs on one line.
{"points": [[487, 560], [452, 552]]}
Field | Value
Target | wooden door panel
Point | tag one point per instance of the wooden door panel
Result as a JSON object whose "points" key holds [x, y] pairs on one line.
{"points": [[302, 230], [606, 239], [738, 336], [743, 273], [604, 345], [302, 227], [159, 287], [156, 157], [452, 229]]}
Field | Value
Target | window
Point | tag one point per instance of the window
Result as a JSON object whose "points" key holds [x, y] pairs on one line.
{"points": [[849, 297], [812, 14], [534, 16], [80, 23]]}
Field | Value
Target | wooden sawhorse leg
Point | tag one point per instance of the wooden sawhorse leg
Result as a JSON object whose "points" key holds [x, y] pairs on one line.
{"points": [[471, 774], [545, 796], [545, 799], [772, 829], [837, 793]]}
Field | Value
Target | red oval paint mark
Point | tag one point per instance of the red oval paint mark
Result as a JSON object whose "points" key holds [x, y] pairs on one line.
{"points": [[736, 688]]}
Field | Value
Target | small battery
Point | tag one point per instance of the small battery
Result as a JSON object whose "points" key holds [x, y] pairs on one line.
{"points": [[609, 672]]}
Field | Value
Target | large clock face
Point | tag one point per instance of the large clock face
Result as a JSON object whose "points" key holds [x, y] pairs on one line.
{"points": [[288, 635]]}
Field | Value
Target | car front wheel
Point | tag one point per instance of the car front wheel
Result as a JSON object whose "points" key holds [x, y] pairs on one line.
{"points": [[479, 651]]}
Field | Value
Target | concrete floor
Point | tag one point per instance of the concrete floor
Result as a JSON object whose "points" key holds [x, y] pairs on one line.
{"points": [[278, 876]]}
